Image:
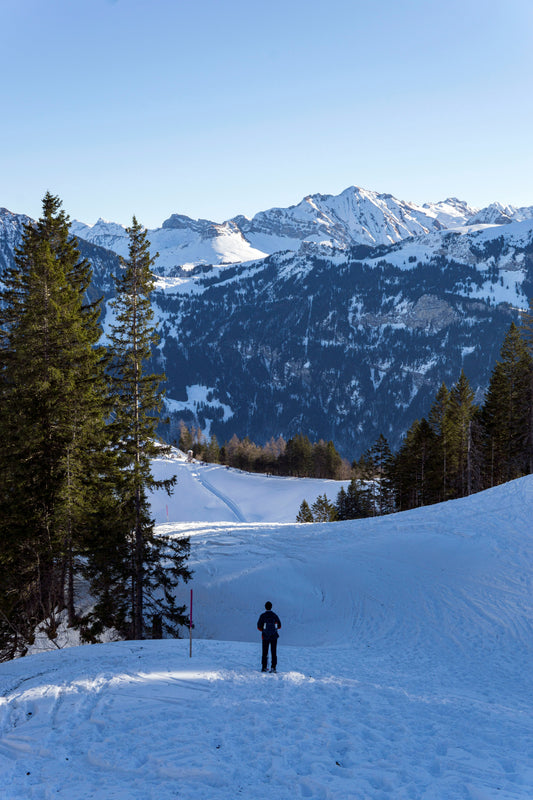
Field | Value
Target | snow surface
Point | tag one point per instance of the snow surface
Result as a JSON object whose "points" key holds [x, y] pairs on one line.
{"points": [[405, 660]]}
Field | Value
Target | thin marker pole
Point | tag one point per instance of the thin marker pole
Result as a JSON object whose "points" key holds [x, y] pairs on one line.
{"points": [[190, 628]]}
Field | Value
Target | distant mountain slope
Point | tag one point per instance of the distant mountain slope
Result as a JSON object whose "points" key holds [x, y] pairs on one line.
{"points": [[343, 345], [497, 214], [356, 216], [105, 262], [11, 226]]}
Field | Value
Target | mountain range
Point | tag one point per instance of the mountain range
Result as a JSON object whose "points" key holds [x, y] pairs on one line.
{"points": [[339, 317], [356, 216]]}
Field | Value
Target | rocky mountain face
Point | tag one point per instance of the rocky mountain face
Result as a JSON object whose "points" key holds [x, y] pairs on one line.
{"points": [[10, 235], [340, 338]]}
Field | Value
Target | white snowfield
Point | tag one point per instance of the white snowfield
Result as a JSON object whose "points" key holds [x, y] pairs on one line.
{"points": [[405, 660]]}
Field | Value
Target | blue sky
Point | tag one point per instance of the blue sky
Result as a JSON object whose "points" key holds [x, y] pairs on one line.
{"points": [[212, 108]]}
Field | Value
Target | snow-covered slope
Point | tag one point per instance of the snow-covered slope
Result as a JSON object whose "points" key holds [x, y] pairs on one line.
{"points": [[404, 663], [354, 217], [11, 226], [504, 248], [181, 241], [213, 493]]}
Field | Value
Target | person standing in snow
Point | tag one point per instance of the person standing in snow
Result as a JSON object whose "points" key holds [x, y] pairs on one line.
{"points": [[269, 624]]}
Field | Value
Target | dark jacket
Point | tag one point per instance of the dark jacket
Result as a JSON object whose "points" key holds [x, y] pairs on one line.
{"points": [[268, 623]]}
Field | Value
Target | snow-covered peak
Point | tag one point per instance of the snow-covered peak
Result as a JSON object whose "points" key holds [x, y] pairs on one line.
{"points": [[110, 235], [451, 212], [498, 214]]}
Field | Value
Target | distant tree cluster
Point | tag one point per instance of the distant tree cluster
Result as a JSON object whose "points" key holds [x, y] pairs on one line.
{"points": [[78, 431], [296, 457], [459, 449]]}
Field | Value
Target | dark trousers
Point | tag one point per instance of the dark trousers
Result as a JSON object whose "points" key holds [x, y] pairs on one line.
{"points": [[273, 644]]}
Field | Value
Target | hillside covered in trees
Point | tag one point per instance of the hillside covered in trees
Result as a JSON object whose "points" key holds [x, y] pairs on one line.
{"points": [[459, 447]]}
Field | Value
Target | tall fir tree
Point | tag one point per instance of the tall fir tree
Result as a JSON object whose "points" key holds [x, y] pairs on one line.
{"points": [[417, 467], [137, 400], [506, 413], [462, 444], [526, 331], [439, 462], [298, 456], [304, 513], [353, 502], [323, 510], [380, 456], [53, 422]]}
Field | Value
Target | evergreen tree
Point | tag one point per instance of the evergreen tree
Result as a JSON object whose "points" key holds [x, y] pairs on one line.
{"points": [[327, 462], [298, 456], [458, 430], [137, 403], [304, 514], [526, 331], [380, 456], [439, 464], [323, 510], [506, 413], [52, 426], [333, 461], [416, 480], [212, 453]]}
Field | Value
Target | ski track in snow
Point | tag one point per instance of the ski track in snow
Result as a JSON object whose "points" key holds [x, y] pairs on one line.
{"points": [[233, 507], [405, 663]]}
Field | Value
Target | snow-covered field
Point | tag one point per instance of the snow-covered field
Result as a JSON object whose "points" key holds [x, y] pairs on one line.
{"points": [[405, 660]]}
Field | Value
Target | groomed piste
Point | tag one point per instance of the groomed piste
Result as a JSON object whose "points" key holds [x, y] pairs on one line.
{"points": [[404, 661]]}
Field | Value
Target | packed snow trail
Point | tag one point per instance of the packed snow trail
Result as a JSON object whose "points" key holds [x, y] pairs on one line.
{"points": [[141, 721]]}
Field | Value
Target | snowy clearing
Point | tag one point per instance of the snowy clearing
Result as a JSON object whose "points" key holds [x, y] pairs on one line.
{"points": [[404, 660]]}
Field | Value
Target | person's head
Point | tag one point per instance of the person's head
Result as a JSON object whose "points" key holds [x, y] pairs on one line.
{"points": [[268, 605]]}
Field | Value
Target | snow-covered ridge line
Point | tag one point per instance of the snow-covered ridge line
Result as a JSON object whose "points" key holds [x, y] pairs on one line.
{"points": [[355, 216]]}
